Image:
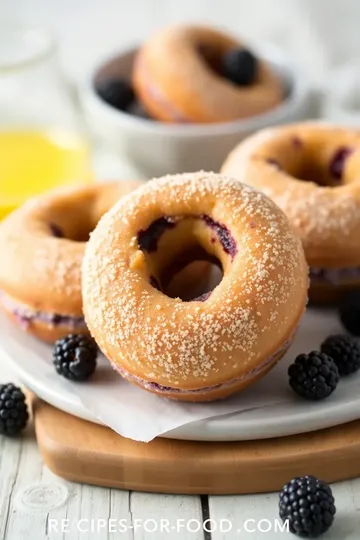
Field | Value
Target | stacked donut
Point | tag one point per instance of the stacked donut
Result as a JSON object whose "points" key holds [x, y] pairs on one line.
{"points": [[196, 74], [217, 343], [311, 170], [42, 246]]}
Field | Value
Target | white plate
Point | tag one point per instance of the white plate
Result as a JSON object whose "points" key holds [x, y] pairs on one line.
{"points": [[292, 415]]}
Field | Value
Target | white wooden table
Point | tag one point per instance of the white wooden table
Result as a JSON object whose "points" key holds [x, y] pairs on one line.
{"points": [[36, 505]]}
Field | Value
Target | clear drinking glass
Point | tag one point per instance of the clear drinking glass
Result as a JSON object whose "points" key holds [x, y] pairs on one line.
{"points": [[43, 141]]}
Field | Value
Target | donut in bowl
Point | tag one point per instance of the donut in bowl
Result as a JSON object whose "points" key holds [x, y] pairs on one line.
{"points": [[42, 246], [311, 170], [177, 77], [210, 346]]}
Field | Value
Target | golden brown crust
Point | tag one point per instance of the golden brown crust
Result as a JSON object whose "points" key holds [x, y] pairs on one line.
{"points": [[191, 345], [41, 272], [326, 218], [176, 85]]}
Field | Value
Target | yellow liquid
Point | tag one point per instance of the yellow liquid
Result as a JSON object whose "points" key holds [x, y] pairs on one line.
{"points": [[32, 162]]}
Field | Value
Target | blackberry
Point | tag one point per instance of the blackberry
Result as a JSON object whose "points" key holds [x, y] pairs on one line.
{"points": [[13, 409], [116, 92], [308, 505], [345, 351], [74, 357], [313, 376], [240, 66], [349, 311]]}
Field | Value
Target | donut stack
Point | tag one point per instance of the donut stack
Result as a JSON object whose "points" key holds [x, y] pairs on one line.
{"points": [[311, 171], [215, 344]]}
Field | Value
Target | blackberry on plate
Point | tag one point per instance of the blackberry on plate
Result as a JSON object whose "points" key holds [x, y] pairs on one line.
{"points": [[13, 409], [313, 376], [74, 357], [308, 505], [349, 311], [240, 66], [116, 92], [345, 351]]}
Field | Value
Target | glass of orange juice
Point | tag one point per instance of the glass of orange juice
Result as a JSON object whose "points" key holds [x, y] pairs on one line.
{"points": [[43, 142]]}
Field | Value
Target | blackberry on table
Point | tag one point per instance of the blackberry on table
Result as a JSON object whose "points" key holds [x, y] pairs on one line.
{"points": [[313, 376], [13, 409], [75, 356], [308, 505], [345, 351]]}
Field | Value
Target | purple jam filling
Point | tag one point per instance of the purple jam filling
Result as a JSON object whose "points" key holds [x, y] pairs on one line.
{"points": [[334, 276], [226, 239], [338, 162], [168, 389], [56, 230], [148, 239], [25, 315]]}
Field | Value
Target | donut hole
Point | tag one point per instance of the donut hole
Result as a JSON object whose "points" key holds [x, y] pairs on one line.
{"points": [[186, 257], [195, 281], [328, 172], [76, 232], [325, 166], [72, 222], [212, 57]]}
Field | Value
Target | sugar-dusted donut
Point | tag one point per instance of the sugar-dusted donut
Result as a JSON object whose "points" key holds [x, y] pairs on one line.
{"points": [[312, 171], [42, 246], [175, 81], [218, 343]]}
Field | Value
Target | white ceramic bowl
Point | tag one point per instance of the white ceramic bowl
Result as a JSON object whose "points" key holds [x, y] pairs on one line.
{"points": [[158, 148]]}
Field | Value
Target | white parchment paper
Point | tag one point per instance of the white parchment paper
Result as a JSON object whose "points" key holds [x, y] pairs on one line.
{"points": [[139, 415]]}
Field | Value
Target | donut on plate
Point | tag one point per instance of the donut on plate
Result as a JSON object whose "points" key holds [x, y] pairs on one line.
{"points": [[177, 78], [222, 341], [311, 170], [42, 246]]}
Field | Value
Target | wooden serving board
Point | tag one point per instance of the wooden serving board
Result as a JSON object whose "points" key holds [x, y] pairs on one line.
{"points": [[89, 453]]}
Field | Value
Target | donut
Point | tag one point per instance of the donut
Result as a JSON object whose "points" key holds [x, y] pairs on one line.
{"points": [[177, 79], [42, 246], [210, 346], [312, 171]]}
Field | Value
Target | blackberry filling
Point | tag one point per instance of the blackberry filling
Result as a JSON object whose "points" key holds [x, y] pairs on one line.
{"points": [[56, 230], [148, 241], [310, 169], [338, 162], [227, 241]]}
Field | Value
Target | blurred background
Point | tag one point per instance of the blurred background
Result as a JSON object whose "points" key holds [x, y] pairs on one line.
{"points": [[321, 38], [320, 34]]}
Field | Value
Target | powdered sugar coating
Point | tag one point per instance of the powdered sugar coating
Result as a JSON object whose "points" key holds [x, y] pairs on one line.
{"points": [[42, 270], [248, 316], [327, 218]]}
